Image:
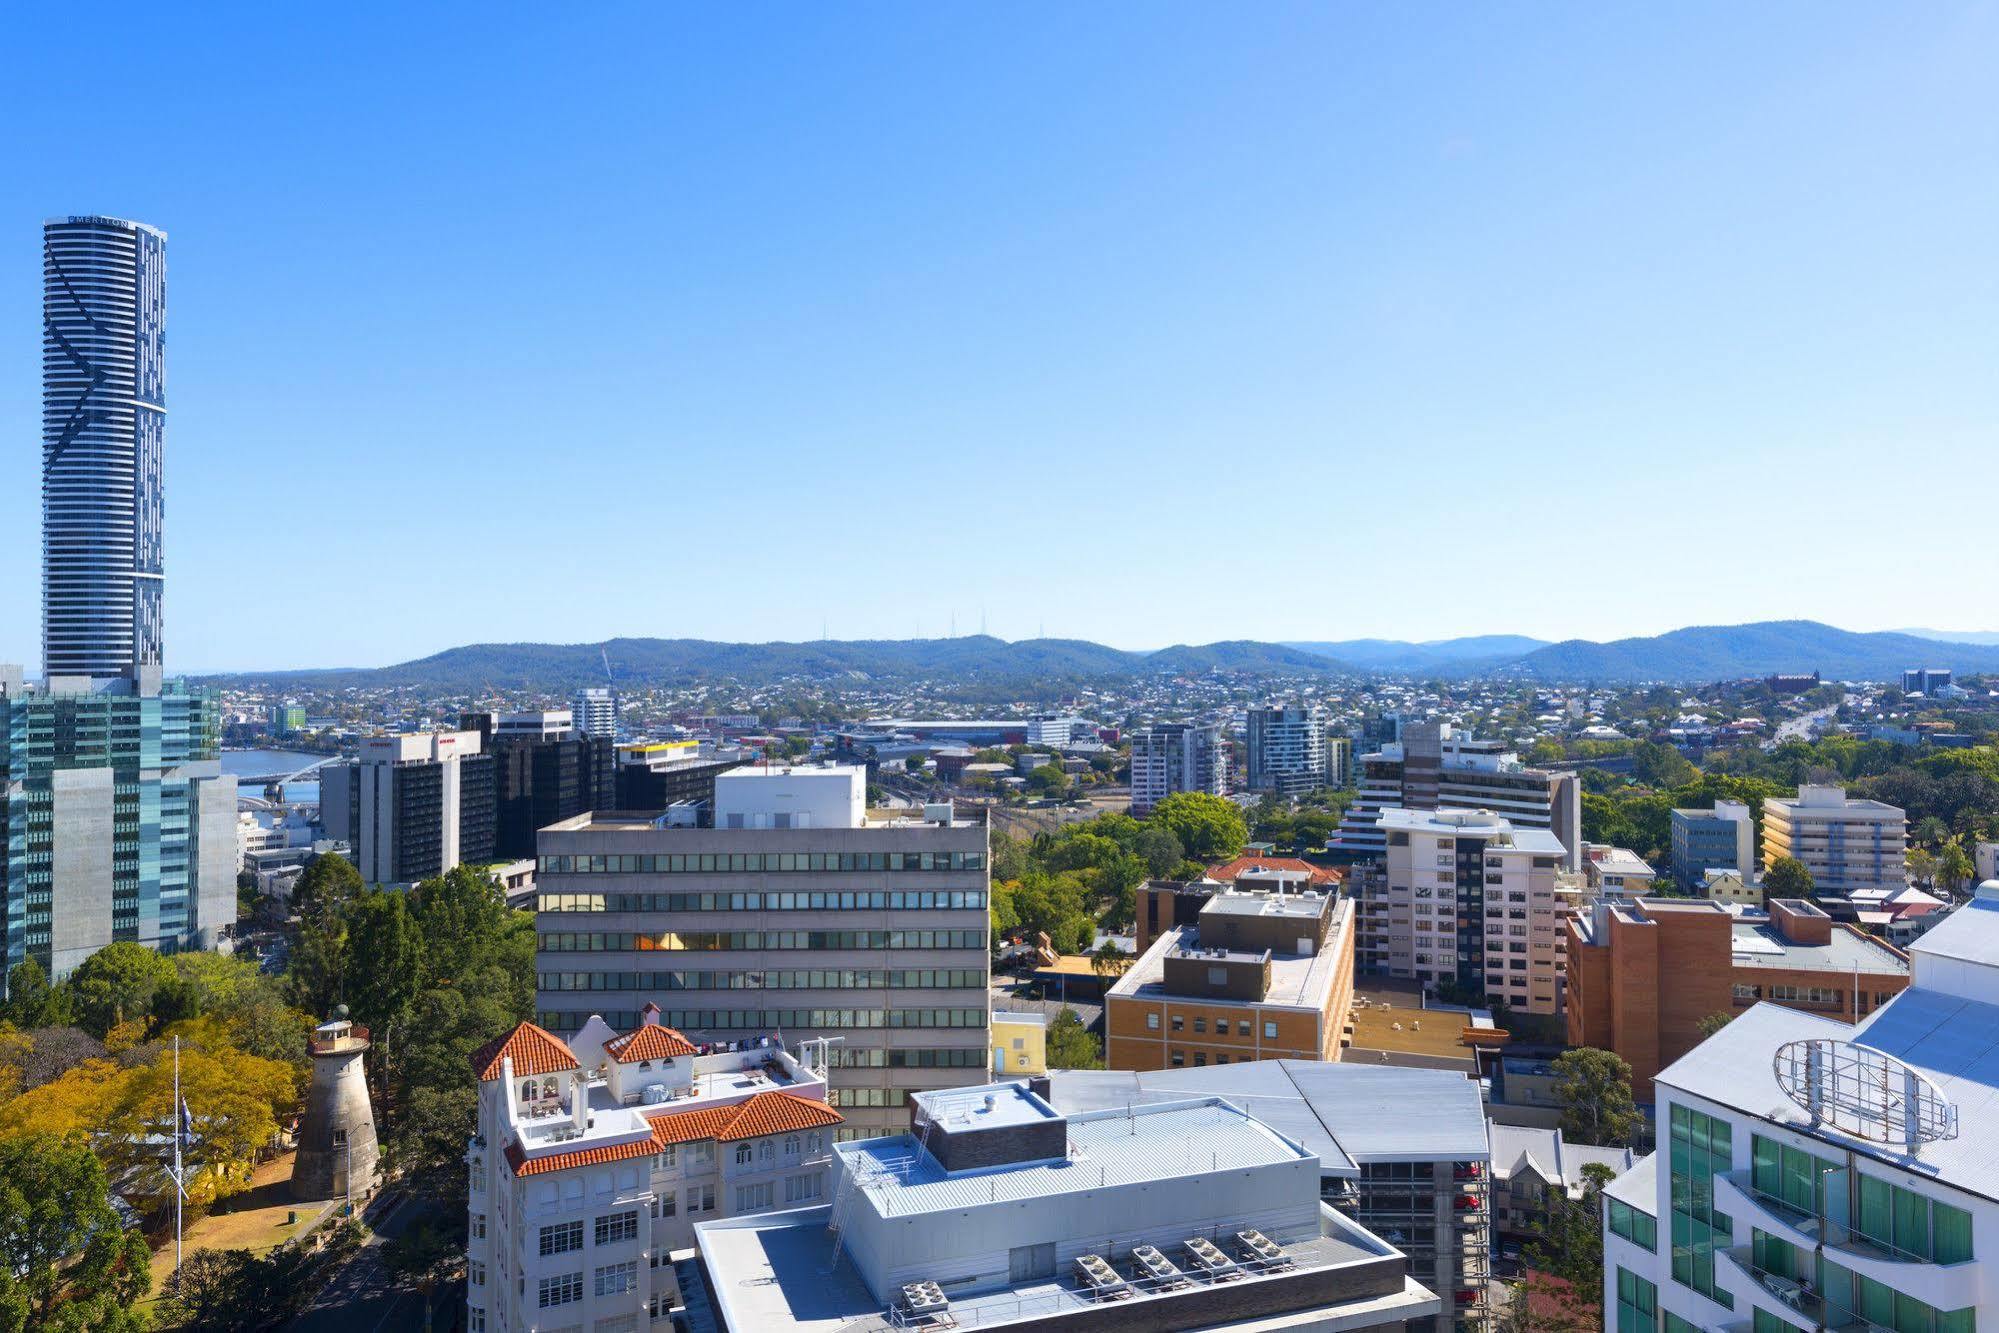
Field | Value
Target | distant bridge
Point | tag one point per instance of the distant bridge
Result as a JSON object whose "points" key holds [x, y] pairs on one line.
{"points": [[280, 779]]}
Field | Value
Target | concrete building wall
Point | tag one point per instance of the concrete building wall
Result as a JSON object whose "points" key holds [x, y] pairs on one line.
{"points": [[215, 858], [81, 869]]}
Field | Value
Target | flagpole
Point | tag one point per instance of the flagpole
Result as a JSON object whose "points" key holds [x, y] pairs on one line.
{"points": [[180, 1190]]}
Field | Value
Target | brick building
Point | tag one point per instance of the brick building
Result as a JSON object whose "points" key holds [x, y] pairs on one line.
{"points": [[1644, 974]]}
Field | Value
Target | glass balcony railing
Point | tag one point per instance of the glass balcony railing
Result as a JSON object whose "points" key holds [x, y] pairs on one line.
{"points": [[1833, 1234]]}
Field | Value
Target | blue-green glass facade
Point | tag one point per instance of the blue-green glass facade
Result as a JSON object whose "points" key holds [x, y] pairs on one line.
{"points": [[140, 766]]}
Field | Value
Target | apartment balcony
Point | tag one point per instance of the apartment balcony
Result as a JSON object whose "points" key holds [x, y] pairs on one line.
{"points": [[1943, 1286]]}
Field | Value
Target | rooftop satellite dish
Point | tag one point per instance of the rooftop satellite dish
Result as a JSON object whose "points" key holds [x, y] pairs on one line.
{"points": [[1864, 1093]]}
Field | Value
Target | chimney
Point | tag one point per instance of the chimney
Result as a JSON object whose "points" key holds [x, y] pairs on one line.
{"points": [[649, 1016]]}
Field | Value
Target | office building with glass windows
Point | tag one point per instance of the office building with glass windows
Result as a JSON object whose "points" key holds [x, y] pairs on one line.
{"points": [[116, 822], [1817, 1174], [799, 912]]}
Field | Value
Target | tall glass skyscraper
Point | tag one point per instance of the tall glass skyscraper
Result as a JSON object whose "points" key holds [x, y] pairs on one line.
{"points": [[103, 430], [116, 821]]}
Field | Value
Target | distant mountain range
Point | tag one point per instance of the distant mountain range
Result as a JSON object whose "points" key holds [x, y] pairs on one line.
{"points": [[1395, 655], [1954, 636], [1724, 652], [976, 658]]}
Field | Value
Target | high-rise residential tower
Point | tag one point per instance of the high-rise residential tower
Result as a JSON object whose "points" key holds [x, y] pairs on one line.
{"points": [[596, 712], [116, 822], [103, 434]]}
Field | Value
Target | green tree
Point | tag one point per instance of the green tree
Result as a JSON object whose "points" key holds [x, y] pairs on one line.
{"points": [[1922, 865], [67, 1264], [1713, 1023], [1159, 849], [1787, 877], [31, 1001], [316, 976], [1594, 1090], [116, 984], [328, 880], [1209, 827], [428, 1256], [1048, 779], [1070, 1045], [1567, 1248], [235, 1291], [436, 1097]]}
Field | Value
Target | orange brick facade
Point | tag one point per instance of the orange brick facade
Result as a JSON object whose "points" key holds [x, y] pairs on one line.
{"points": [[1645, 975]]}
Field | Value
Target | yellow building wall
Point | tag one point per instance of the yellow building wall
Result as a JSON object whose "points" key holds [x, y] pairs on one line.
{"points": [[1019, 1048]]}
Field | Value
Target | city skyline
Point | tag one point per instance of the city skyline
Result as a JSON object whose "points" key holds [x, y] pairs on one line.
{"points": [[832, 341]]}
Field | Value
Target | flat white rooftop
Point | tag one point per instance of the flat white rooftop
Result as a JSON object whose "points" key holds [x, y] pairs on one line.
{"points": [[1126, 1147], [991, 1107], [1296, 981]]}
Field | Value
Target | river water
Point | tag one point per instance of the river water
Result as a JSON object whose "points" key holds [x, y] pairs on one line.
{"points": [[266, 763]]}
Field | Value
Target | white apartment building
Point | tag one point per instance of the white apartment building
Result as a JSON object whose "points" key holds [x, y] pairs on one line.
{"points": [[595, 713], [1058, 730], [1616, 872], [1168, 757], [1814, 1174], [595, 1158], [1434, 767], [1465, 897], [1846, 844], [1289, 752], [1985, 858]]}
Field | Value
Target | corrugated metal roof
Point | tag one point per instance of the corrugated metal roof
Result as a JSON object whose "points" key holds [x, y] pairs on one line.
{"points": [[1545, 1151], [1158, 1143], [1970, 933], [1347, 1114]]}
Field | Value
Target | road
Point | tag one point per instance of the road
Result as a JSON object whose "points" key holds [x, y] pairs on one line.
{"points": [[1799, 728], [363, 1296]]}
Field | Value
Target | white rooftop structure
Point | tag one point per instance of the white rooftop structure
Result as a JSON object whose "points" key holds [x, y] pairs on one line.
{"points": [[1012, 1236], [828, 796], [1472, 824]]}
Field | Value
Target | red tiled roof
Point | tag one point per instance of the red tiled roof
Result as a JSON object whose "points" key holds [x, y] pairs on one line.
{"points": [[533, 1050], [653, 1041], [1243, 864], [524, 1165], [689, 1126], [765, 1113], [776, 1113]]}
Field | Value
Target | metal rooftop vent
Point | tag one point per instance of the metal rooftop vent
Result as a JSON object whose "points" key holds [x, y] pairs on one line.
{"points": [[1863, 1092]]}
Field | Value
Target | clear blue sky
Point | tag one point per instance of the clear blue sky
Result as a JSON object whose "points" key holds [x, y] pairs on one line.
{"points": [[1137, 323]]}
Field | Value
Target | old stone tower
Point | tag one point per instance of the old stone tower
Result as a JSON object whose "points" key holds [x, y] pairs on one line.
{"points": [[336, 1138]]}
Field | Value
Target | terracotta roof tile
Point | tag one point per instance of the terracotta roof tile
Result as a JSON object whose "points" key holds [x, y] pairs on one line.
{"points": [[653, 1041], [765, 1113], [776, 1113], [533, 1050], [688, 1126], [524, 1165], [1228, 871]]}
